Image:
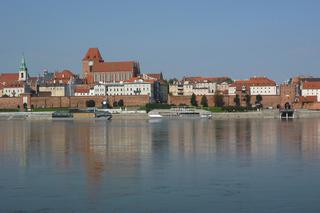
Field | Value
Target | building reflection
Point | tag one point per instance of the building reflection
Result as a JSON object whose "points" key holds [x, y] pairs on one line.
{"points": [[99, 149]]}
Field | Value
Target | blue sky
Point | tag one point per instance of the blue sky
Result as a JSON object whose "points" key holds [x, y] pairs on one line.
{"points": [[275, 38]]}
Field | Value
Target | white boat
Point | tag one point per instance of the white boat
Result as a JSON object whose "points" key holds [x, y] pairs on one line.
{"points": [[154, 115]]}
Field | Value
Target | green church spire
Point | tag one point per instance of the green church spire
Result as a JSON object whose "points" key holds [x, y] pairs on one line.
{"points": [[23, 66]]}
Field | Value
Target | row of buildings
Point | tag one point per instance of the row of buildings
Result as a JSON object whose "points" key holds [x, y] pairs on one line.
{"points": [[124, 78]]}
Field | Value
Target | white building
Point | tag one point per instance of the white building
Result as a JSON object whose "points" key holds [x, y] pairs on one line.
{"points": [[263, 90], [254, 86], [131, 87], [99, 90], [57, 90], [13, 90], [311, 89], [196, 85]]}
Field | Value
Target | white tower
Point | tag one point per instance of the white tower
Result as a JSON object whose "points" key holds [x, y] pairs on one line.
{"points": [[23, 70]]}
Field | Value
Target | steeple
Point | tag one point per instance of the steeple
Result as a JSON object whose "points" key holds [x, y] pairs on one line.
{"points": [[23, 65], [23, 70]]}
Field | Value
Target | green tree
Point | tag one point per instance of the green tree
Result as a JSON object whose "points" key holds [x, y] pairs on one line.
{"points": [[120, 103], [204, 101], [218, 100], [248, 100], [90, 103], [25, 106], [193, 100], [236, 100], [172, 80], [115, 104], [258, 99]]}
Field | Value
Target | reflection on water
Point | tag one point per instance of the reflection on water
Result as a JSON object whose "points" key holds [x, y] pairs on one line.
{"points": [[166, 165]]}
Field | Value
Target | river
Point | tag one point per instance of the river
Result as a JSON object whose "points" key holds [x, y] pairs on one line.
{"points": [[168, 165]]}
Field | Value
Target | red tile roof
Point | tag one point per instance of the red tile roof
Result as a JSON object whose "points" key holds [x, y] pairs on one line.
{"points": [[123, 66], [261, 81], [93, 54], [8, 78], [65, 74], [157, 76], [253, 81], [199, 78], [136, 80], [82, 89], [311, 85]]}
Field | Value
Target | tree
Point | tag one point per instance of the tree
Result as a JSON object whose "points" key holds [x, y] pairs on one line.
{"points": [[218, 100], [25, 106], [248, 100], [258, 99], [115, 104], [204, 101], [237, 100], [120, 103], [172, 80], [90, 103], [193, 100]]}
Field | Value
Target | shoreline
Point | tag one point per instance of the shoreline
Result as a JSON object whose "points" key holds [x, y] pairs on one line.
{"points": [[265, 114]]}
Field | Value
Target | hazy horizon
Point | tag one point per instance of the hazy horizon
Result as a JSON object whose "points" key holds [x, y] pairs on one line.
{"points": [[180, 38]]}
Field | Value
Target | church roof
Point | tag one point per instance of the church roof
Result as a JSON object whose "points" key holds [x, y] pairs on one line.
{"points": [[93, 54]]}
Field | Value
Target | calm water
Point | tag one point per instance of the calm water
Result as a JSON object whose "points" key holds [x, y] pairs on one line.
{"points": [[188, 165]]}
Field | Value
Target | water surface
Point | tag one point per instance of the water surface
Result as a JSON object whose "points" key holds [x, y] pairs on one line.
{"points": [[186, 165]]}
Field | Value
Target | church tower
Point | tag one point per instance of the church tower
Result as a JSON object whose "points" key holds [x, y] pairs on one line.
{"points": [[92, 58], [23, 70]]}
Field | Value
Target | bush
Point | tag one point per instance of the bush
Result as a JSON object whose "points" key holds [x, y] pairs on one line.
{"points": [[204, 101], [90, 103], [151, 106], [193, 100], [120, 103], [236, 109]]}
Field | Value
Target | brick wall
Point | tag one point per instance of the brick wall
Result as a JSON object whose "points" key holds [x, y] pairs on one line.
{"points": [[48, 102], [10, 103], [177, 100], [80, 102], [267, 100]]}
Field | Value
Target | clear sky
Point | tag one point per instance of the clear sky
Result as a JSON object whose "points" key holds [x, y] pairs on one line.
{"points": [[240, 38]]}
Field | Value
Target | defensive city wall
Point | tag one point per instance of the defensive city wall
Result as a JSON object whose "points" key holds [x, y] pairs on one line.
{"points": [[71, 102], [272, 100]]}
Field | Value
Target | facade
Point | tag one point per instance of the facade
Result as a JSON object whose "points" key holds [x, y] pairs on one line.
{"points": [[13, 90], [57, 90], [253, 86], [99, 90], [134, 86], [160, 86], [96, 70], [311, 89], [288, 94], [198, 86]]}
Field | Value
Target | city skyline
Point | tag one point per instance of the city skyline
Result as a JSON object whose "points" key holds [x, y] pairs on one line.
{"points": [[273, 39]]}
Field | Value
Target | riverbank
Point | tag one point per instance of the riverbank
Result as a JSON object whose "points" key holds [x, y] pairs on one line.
{"points": [[265, 114]]}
